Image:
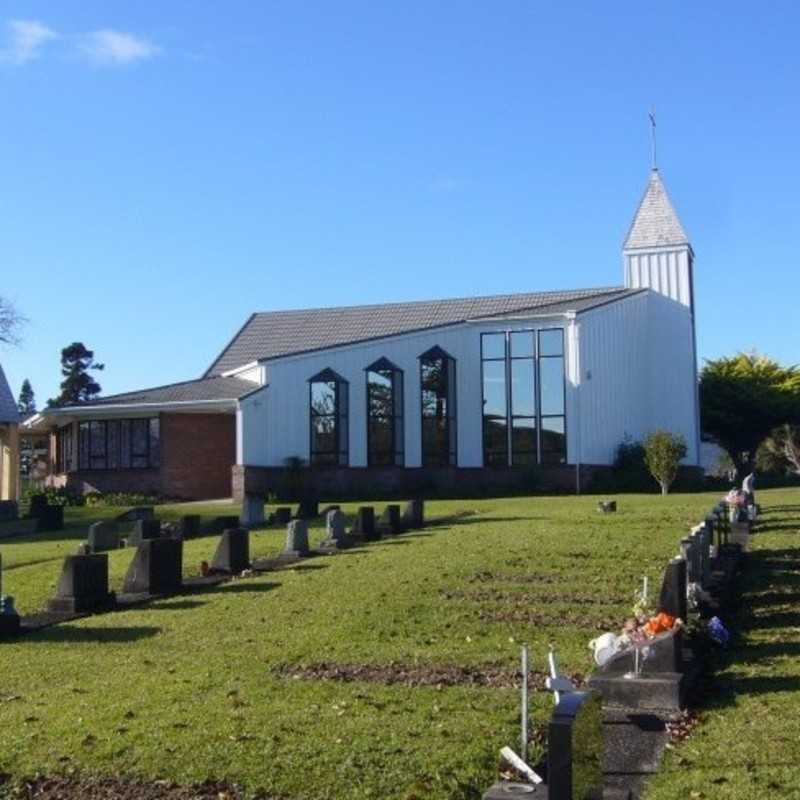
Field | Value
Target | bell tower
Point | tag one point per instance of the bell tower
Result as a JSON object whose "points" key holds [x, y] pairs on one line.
{"points": [[656, 253]]}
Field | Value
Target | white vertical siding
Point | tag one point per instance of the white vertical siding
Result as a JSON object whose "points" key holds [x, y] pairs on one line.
{"points": [[667, 271]]}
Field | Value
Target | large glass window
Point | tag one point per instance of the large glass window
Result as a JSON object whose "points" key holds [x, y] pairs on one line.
{"points": [[328, 419], [438, 400], [64, 448], [552, 401], [495, 399], [119, 444], [385, 414], [523, 425]]}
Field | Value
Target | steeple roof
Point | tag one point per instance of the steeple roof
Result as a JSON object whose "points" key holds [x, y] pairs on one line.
{"points": [[656, 223]]}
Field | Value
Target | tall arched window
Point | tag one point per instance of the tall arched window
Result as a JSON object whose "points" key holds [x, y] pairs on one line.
{"points": [[328, 419], [385, 439], [438, 390]]}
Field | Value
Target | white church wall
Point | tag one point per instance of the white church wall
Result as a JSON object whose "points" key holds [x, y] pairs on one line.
{"points": [[282, 417], [662, 269], [673, 383], [613, 387]]}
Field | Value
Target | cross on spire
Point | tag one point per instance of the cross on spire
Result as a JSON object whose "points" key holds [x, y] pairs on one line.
{"points": [[652, 116]]}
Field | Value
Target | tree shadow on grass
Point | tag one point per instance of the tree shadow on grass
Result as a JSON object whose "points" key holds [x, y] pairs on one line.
{"points": [[74, 634], [175, 605], [243, 587]]}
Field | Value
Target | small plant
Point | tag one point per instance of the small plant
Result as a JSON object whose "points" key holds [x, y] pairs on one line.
{"points": [[663, 452]]}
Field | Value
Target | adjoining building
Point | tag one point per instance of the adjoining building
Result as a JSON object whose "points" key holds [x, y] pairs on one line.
{"points": [[9, 442], [458, 395]]}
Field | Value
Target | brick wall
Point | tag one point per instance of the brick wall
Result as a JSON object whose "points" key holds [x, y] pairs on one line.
{"points": [[197, 453]]}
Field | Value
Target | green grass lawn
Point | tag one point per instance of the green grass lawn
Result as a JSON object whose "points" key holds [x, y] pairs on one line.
{"points": [[748, 743], [196, 686]]}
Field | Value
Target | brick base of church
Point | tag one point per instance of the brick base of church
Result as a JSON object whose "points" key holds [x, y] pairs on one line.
{"points": [[341, 483]]}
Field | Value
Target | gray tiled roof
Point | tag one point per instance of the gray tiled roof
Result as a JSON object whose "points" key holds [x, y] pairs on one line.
{"points": [[203, 389], [281, 333], [656, 223], [8, 408]]}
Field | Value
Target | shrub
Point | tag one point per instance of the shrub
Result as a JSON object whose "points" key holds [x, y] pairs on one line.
{"points": [[53, 497], [663, 452]]}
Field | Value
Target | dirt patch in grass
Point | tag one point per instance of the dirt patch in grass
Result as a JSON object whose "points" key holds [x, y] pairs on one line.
{"points": [[411, 676], [73, 788], [530, 616], [514, 577], [537, 598]]}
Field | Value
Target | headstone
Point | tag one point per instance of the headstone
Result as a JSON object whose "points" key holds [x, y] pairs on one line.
{"points": [[740, 534], [144, 529], [296, 538], [688, 553], [50, 518], [156, 568], [233, 551], [83, 585], [189, 526], [219, 524], [661, 654], [672, 599], [390, 520], [9, 511], [252, 510], [38, 502], [607, 506], [10, 622], [336, 536], [364, 524], [136, 513], [283, 515], [414, 514], [308, 508], [324, 511], [575, 748], [103, 536]]}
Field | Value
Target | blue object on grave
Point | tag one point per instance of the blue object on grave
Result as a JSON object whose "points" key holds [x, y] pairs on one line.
{"points": [[7, 606], [718, 632]]}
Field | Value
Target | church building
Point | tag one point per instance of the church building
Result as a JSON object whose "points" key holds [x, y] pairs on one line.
{"points": [[466, 395]]}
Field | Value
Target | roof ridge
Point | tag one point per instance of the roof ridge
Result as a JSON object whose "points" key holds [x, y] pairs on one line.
{"points": [[169, 386]]}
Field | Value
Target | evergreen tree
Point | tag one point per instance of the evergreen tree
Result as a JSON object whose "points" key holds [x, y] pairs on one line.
{"points": [[78, 385], [27, 401]]}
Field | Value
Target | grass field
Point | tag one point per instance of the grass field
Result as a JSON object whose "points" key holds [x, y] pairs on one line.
{"points": [[225, 684]]}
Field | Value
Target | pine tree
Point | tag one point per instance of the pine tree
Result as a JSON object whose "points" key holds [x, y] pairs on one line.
{"points": [[27, 401], [78, 385]]}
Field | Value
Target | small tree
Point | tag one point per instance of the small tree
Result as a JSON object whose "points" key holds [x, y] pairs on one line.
{"points": [[27, 400], [663, 452], [77, 386]]}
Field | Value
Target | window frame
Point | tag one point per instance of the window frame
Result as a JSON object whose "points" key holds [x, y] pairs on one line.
{"points": [[123, 455], [341, 451], [436, 353], [396, 449]]}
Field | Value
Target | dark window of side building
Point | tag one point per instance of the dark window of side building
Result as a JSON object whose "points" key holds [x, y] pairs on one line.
{"points": [[438, 401], [328, 419], [552, 397], [385, 437], [64, 449], [119, 444]]}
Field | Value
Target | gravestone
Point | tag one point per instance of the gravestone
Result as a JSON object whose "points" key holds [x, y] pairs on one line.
{"points": [[189, 526], [283, 515], [414, 514], [672, 599], [574, 754], [607, 506], [308, 508], [144, 529], [233, 551], [156, 568], [37, 504], [252, 510], [103, 536], [50, 518], [10, 622], [389, 522], [336, 536], [689, 553], [296, 538], [364, 524], [740, 534], [136, 513], [83, 585], [9, 511], [219, 524]]}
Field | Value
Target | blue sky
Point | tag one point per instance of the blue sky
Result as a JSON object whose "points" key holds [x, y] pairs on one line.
{"points": [[168, 168]]}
